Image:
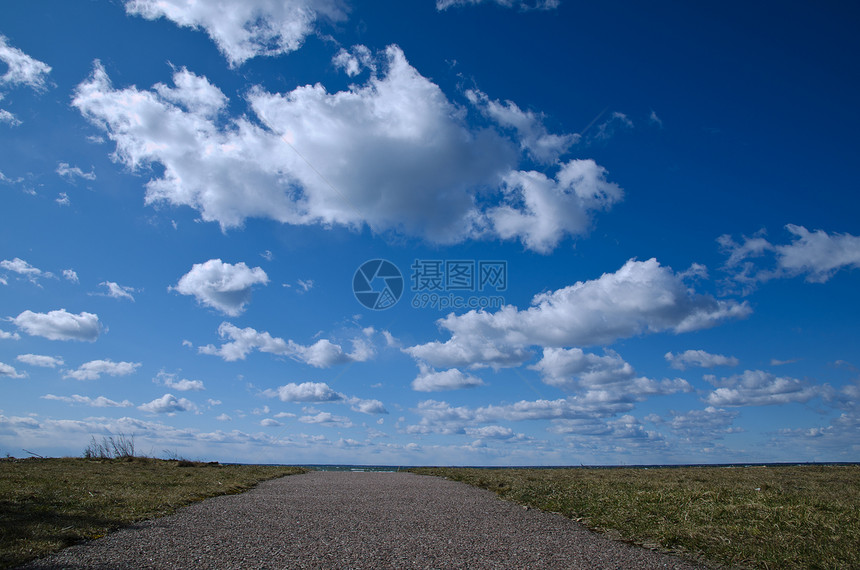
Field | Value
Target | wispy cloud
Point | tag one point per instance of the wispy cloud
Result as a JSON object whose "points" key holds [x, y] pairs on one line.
{"points": [[815, 255]]}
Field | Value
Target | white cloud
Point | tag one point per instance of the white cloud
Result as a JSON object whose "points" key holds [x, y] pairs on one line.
{"points": [[9, 118], [70, 275], [23, 69], [41, 360], [10, 372], [540, 211], [182, 385], [100, 402], [617, 121], [366, 406], [816, 255], [95, 368], [222, 286], [24, 269], [224, 418], [304, 392], [571, 369], [63, 199], [246, 29], [72, 172], [704, 425], [698, 358], [760, 388], [168, 404], [393, 154], [269, 422], [441, 417], [9, 336], [320, 392], [520, 4], [116, 291], [327, 419], [641, 297], [324, 353], [60, 325], [533, 135], [491, 432], [655, 120], [355, 60], [429, 380], [606, 379], [321, 354]]}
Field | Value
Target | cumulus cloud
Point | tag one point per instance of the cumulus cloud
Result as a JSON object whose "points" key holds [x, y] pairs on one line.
{"points": [[304, 392], [540, 211], [429, 380], [41, 360], [10, 372], [519, 4], [168, 404], [816, 255], [182, 385], [95, 368], [392, 154], [246, 29], [606, 379], [222, 286], [354, 60], [22, 69], [99, 402], [321, 354], [760, 388], [60, 325], [533, 136], [698, 358], [4, 335], [366, 406], [641, 297], [70, 275]]}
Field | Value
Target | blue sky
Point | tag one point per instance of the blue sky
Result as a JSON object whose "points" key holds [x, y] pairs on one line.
{"points": [[665, 199]]}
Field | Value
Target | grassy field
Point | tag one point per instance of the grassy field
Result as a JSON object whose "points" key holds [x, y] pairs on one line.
{"points": [[47, 504], [756, 517]]}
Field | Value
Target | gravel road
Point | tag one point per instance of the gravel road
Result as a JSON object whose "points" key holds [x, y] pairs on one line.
{"points": [[330, 519]]}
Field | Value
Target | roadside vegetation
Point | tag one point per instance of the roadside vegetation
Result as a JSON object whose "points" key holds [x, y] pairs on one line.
{"points": [[48, 504], [749, 517]]}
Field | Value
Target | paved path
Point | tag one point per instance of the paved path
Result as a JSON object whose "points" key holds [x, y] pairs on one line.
{"points": [[358, 520]]}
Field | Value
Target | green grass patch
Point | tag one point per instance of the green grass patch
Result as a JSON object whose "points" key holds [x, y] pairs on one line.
{"points": [[48, 504], [755, 517]]}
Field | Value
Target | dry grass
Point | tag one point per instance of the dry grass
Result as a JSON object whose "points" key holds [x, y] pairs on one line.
{"points": [[47, 504], [757, 517]]}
